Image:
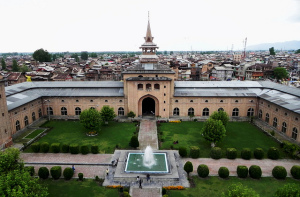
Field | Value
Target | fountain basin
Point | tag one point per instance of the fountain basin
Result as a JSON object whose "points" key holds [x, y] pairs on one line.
{"points": [[134, 163]]}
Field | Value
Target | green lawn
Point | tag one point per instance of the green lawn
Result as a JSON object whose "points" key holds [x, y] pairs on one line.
{"points": [[88, 187], [73, 132], [214, 186], [34, 133], [239, 135]]}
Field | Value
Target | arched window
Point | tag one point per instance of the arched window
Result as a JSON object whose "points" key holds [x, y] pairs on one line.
{"points": [[92, 108], [275, 122], [148, 86], [18, 125], [156, 87], [26, 120], [220, 109], [235, 112], [294, 133], [40, 113], [121, 111], [191, 111], [205, 112], [250, 112], [77, 111], [63, 111], [49, 111], [267, 117], [33, 116], [176, 111], [140, 75], [140, 86], [260, 114], [283, 128]]}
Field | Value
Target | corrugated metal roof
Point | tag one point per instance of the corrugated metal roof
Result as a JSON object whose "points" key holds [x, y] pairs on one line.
{"points": [[220, 84]]}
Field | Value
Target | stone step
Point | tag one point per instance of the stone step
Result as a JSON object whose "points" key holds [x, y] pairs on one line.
{"points": [[145, 192]]}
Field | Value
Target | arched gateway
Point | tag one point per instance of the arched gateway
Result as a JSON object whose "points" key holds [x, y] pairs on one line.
{"points": [[148, 106]]}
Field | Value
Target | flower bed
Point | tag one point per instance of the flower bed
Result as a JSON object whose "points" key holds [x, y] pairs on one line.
{"points": [[175, 121], [174, 188], [92, 133], [114, 186]]}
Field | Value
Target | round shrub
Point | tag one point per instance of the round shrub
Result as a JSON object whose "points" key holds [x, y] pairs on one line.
{"points": [[74, 148], [182, 151], [36, 147], [164, 191], [65, 148], [55, 147], [279, 172], [45, 147], [29, 169], [188, 167], [246, 153], [255, 172], [231, 153], [295, 172], [223, 172], [55, 172], [216, 153], [273, 153], [43, 173], [95, 149], [80, 176], [203, 170], [68, 173], [259, 153], [134, 142], [194, 152], [242, 171], [84, 149]]}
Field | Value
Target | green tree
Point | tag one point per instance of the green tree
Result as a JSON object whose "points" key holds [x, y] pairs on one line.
{"points": [[84, 55], [131, 114], [24, 69], [15, 67], [42, 55], [107, 114], [188, 167], [220, 115], [272, 51], [3, 64], [94, 55], [297, 51], [213, 131], [280, 73], [288, 190], [134, 142], [239, 190], [90, 118], [75, 55]]}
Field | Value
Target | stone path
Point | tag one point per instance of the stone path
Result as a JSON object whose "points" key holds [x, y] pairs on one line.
{"points": [[145, 192], [148, 134]]}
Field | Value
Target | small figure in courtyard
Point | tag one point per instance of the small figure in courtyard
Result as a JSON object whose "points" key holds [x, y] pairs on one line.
{"points": [[148, 177], [140, 182], [137, 179], [107, 171], [73, 168]]}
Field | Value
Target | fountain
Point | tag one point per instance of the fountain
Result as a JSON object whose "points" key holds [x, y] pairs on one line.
{"points": [[148, 159]]}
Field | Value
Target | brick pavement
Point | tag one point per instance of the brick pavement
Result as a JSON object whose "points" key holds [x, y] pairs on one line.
{"points": [[148, 134]]}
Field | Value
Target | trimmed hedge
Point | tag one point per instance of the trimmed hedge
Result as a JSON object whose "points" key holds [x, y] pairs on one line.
{"points": [[55, 147], [279, 172], [231, 153], [55, 172], [259, 153], [68, 173], [203, 170], [65, 148], [182, 151], [216, 153], [74, 148], [246, 153], [295, 171], [223, 172], [45, 147], [95, 149], [84, 149], [36, 147], [255, 172], [43, 173], [29, 169], [194, 152], [273, 153], [242, 171], [80, 176]]}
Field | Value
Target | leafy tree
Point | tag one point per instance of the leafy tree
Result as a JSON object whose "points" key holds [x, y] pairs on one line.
{"points": [[134, 142], [220, 115], [3, 64], [239, 190], [90, 118], [15, 67], [107, 114], [75, 55], [280, 73], [84, 55], [131, 114], [213, 131], [94, 55], [171, 53], [24, 69], [42, 55], [288, 190], [272, 51], [54, 56], [188, 167], [297, 51]]}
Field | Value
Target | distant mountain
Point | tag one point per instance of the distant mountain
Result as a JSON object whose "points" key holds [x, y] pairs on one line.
{"points": [[288, 45]]}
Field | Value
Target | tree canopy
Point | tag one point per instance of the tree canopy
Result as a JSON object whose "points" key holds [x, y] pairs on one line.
{"points": [[15, 67], [213, 130], [90, 118], [94, 55], [107, 113], [42, 55], [272, 51], [131, 114], [3, 64], [220, 115], [288, 190], [280, 73], [239, 190], [75, 55], [297, 51], [84, 55]]}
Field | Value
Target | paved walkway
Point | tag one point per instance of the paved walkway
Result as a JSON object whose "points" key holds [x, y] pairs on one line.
{"points": [[148, 134], [145, 192]]}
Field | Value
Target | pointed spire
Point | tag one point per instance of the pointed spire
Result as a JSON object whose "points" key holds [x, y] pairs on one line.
{"points": [[148, 37]]}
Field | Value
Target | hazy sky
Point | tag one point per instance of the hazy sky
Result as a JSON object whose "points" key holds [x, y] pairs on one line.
{"points": [[120, 25]]}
